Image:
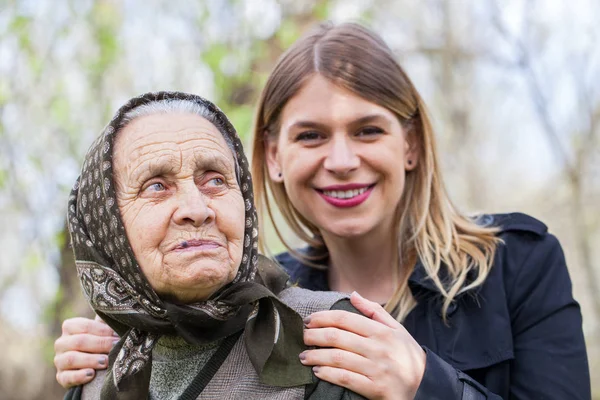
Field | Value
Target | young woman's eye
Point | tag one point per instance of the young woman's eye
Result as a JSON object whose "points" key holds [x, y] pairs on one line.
{"points": [[370, 131], [308, 136]]}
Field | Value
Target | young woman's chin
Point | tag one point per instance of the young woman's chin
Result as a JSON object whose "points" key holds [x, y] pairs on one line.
{"points": [[348, 230]]}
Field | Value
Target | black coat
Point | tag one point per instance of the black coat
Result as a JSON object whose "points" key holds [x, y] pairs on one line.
{"points": [[518, 336]]}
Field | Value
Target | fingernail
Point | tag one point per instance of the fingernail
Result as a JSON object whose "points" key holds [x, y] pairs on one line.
{"points": [[316, 369], [302, 356], [306, 320], [89, 373], [115, 343], [102, 360], [115, 334]]}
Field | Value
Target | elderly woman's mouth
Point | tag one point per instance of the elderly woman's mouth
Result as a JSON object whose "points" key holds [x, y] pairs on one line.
{"points": [[197, 244]]}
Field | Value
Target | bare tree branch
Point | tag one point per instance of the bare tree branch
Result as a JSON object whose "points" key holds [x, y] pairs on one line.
{"points": [[573, 169], [538, 97]]}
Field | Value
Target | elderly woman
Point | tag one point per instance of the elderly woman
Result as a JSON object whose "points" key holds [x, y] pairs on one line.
{"points": [[164, 232]]}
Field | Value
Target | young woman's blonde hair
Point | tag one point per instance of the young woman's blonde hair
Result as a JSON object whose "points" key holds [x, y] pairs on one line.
{"points": [[450, 246]]}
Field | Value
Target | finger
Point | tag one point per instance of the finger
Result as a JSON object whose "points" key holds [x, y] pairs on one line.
{"points": [[77, 325], [75, 360], [69, 379], [337, 338], [346, 320], [373, 310], [85, 343], [338, 359], [350, 380]]}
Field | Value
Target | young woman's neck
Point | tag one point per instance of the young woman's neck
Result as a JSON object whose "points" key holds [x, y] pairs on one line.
{"points": [[366, 265]]}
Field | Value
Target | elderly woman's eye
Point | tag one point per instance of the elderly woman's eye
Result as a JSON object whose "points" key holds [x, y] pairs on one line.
{"points": [[217, 181], [155, 187]]}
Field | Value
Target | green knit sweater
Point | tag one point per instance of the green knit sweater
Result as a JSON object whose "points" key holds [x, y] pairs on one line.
{"points": [[175, 363]]}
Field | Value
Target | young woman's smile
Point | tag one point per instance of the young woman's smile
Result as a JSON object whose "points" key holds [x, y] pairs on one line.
{"points": [[349, 195]]}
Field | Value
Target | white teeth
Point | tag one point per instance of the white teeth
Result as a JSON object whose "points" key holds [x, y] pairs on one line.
{"points": [[344, 194]]}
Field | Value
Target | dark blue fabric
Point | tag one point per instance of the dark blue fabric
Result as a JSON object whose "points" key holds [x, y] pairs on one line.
{"points": [[518, 336]]}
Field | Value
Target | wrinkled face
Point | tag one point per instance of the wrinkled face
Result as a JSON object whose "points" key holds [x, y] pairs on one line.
{"points": [[342, 159], [180, 203]]}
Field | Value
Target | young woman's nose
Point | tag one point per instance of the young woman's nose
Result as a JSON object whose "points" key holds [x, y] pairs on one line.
{"points": [[192, 207], [341, 158]]}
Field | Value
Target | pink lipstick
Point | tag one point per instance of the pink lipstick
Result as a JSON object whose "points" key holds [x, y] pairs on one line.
{"points": [[344, 196]]}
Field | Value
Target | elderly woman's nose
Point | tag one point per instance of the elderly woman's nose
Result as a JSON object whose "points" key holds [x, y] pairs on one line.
{"points": [[192, 207]]}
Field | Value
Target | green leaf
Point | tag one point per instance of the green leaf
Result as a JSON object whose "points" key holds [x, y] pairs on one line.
{"points": [[60, 110], [288, 33], [4, 92], [213, 56], [3, 178], [32, 261], [105, 21], [19, 24], [60, 238], [241, 117], [321, 10]]}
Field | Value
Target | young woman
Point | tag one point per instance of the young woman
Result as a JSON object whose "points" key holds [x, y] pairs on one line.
{"points": [[476, 308]]}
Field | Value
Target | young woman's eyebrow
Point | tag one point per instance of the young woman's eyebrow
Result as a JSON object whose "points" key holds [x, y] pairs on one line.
{"points": [[371, 119], [367, 119], [308, 125]]}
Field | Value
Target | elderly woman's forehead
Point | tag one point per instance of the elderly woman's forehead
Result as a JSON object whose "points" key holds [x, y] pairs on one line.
{"points": [[172, 122], [167, 127]]}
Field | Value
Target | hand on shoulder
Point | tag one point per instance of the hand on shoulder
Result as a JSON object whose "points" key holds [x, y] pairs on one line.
{"points": [[82, 348], [371, 354]]}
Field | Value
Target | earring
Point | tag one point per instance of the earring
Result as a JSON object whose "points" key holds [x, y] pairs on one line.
{"points": [[279, 175], [409, 162]]}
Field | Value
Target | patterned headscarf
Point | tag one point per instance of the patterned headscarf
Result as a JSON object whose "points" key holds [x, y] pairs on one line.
{"points": [[120, 293]]}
